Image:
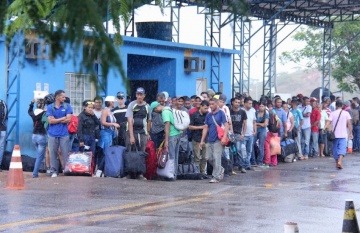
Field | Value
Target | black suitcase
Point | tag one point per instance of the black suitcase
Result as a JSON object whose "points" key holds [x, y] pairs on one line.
{"points": [[188, 171], [135, 162], [288, 148]]}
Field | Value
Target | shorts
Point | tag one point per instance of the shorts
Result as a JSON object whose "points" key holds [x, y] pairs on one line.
{"points": [[339, 147]]}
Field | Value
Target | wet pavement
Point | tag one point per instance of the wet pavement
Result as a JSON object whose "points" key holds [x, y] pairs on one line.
{"points": [[311, 193]]}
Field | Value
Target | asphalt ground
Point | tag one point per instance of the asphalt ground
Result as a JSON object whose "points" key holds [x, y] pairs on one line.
{"points": [[311, 193]]}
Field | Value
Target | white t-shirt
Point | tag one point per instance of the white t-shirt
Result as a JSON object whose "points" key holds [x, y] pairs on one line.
{"points": [[288, 121], [226, 110], [304, 110], [251, 117], [323, 119]]}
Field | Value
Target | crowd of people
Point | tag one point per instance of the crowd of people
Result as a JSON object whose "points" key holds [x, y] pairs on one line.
{"points": [[247, 127]]}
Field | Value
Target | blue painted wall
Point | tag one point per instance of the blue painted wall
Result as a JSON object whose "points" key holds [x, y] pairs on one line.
{"points": [[143, 59]]}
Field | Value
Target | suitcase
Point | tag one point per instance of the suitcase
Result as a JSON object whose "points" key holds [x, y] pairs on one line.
{"points": [[135, 162], [189, 171], [151, 160], [114, 161], [288, 150], [79, 163], [168, 171]]}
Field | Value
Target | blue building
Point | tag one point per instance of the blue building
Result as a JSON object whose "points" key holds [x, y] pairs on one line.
{"points": [[156, 65]]}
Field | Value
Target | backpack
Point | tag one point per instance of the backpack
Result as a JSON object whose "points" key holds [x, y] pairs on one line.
{"points": [[3, 113], [73, 125], [45, 120], [274, 123], [181, 119]]}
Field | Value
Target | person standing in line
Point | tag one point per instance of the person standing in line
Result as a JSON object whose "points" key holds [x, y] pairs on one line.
{"points": [[315, 118], [214, 145], [119, 113], [238, 119], [59, 114], [306, 128], [197, 124], [341, 122], [262, 120], [98, 101], [107, 132], [3, 119], [39, 137], [157, 125], [250, 132], [139, 123]]}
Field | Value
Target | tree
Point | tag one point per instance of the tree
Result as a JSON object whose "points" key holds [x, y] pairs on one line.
{"points": [[345, 57], [62, 22]]}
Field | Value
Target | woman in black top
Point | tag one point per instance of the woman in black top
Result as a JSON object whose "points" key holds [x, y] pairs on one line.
{"points": [[39, 137], [89, 127]]}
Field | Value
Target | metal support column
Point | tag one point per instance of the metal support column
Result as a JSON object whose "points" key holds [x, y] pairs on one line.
{"points": [[269, 75], [237, 70], [245, 58], [212, 38], [130, 26], [326, 61], [175, 20], [13, 63]]}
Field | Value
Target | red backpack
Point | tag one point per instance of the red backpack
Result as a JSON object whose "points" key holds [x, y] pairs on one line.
{"points": [[73, 124]]}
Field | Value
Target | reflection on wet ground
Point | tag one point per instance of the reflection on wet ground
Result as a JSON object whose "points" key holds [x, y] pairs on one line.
{"points": [[311, 193]]}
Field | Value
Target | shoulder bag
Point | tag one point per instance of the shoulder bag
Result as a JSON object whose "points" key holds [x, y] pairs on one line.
{"points": [[220, 131], [331, 135]]}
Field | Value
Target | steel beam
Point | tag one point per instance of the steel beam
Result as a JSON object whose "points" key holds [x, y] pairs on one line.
{"points": [[175, 20], [326, 60], [269, 66]]}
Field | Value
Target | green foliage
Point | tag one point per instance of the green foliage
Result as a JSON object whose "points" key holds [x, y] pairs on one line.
{"points": [[345, 49]]}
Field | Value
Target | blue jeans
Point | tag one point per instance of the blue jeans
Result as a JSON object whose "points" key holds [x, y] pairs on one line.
{"points": [[314, 144], [244, 155], [40, 143], [356, 133], [260, 135], [173, 149], [2, 144], [90, 141], [305, 141], [54, 144]]}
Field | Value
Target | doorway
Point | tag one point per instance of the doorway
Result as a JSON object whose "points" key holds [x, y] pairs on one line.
{"points": [[150, 86]]}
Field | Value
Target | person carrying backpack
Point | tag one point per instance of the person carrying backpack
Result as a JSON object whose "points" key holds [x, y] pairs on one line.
{"points": [[138, 116], [3, 119], [39, 137]]}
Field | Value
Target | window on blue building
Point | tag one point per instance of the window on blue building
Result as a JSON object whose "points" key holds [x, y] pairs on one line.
{"points": [[78, 88]]}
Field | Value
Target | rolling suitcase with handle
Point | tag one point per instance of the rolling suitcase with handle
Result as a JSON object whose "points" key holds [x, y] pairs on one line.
{"points": [[114, 161]]}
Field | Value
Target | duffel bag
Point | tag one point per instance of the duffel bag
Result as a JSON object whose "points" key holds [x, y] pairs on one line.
{"points": [[135, 162]]}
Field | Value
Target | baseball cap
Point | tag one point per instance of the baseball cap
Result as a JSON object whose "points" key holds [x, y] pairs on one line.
{"points": [[222, 97], [110, 98], [217, 97], [347, 103], [313, 99], [120, 95], [154, 104], [199, 97], [166, 95], [140, 90]]}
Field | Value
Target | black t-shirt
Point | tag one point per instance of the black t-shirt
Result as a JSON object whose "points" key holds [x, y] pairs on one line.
{"points": [[119, 114], [197, 119], [237, 118]]}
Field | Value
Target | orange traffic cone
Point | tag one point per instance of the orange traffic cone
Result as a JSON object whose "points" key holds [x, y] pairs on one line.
{"points": [[15, 179]]}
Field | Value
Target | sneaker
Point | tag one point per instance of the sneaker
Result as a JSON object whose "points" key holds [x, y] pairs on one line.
{"points": [[98, 173], [233, 173], [213, 180], [48, 172], [141, 177], [242, 170], [35, 176], [54, 175]]}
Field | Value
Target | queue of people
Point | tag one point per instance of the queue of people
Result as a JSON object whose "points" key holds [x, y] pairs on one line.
{"points": [[250, 125]]}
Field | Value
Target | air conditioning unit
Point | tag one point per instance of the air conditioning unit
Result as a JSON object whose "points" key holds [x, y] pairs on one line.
{"points": [[194, 64], [32, 49]]}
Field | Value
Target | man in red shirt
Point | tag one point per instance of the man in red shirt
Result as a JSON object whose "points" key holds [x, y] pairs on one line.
{"points": [[196, 105], [315, 117]]}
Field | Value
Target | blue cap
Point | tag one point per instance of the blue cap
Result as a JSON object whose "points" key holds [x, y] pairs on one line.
{"points": [[140, 90]]}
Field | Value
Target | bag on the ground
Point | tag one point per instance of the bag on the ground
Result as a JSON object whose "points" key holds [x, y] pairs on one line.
{"points": [[288, 150], [134, 162], [189, 171], [181, 119], [168, 171], [79, 163], [185, 151], [28, 163], [73, 125], [114, 161], [151, 160]]}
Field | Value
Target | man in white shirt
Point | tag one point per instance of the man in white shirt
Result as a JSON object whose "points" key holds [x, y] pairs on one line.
{"points": [[306, 110], [250, 132]]}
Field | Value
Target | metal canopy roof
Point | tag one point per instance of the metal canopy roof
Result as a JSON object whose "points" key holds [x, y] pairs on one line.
{"points": [[319, 13]]}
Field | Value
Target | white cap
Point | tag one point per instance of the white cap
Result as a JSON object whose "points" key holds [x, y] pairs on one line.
{"points": [[110, 98], [166, 95]]}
